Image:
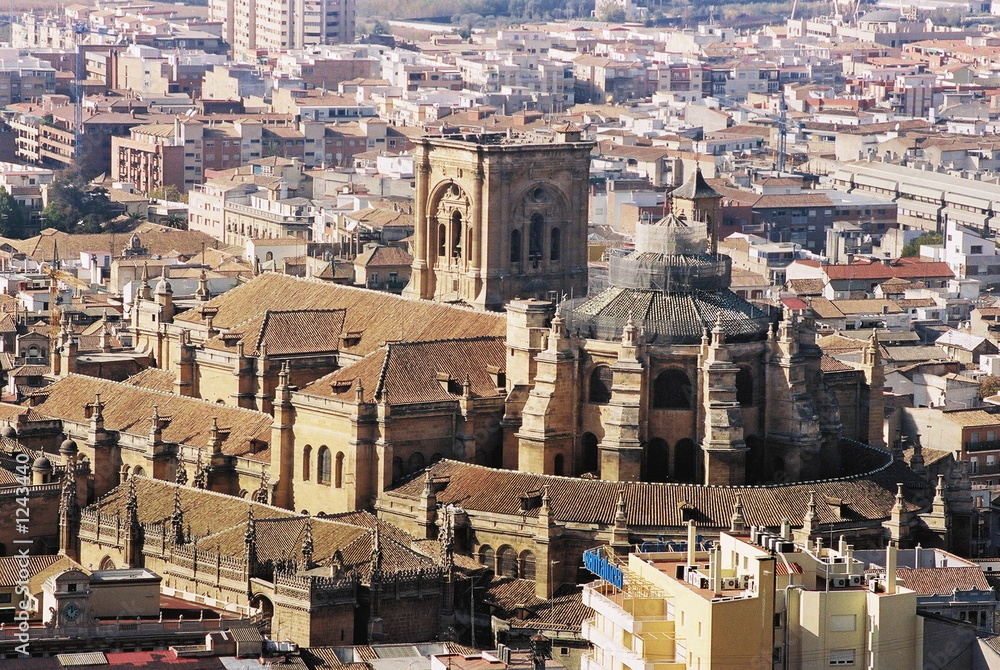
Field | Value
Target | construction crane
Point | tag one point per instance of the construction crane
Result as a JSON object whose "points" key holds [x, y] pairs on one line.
{"points": [[781, 119]]}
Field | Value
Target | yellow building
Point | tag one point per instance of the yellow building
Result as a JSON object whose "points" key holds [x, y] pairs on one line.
{"points": [[754, 600]]}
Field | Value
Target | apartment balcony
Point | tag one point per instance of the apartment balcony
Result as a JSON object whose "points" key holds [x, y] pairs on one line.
{"points": [[631, 614], [627, 658]]}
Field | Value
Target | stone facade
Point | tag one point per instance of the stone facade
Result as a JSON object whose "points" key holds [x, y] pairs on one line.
{"points": [[498, 218]]}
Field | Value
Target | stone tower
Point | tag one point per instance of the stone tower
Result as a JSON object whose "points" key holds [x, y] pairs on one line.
{"points": [[695, 200], [498, 217]]}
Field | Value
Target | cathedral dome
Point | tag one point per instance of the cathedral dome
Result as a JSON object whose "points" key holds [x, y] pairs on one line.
{"points": [[68, 447], [667, 317], [41, 463]]}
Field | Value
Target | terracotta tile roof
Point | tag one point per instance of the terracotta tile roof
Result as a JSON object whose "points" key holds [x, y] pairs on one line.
{"points": [[481, 489], [903, 267], [218, 523], [384, 257], [830, 364], [806, 286], [405, 372], [942, 581], [129, 408], [375, 317], [11, 565], [285, 332], [160, 240], [154, 379], [515, 600]]}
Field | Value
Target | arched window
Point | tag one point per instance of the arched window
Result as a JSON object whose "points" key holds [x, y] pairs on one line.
{"points": [[416, 462], [657, 460], [442, 240], [324, 465], [126, 469], [306, 462], [456, 235], [435, 457], [338, 470], [559, 465], [601, 379], [686, 461], [243, 493], [672, 390], [588, 453], [107, 564], [269, 256], [138, 471], [506, 562], [555, 244], [515, 246], [535, 237], [744, 387], [526, 565], [486, 556]]}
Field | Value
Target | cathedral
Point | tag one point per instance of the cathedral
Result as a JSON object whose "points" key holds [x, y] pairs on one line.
{"points": [[615, 416]]}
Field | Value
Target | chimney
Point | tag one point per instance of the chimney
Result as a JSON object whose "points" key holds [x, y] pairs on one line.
{"points": [[890, 568], [691, 540]]}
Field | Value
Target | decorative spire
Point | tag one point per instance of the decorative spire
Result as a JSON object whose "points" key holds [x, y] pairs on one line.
{"points": [[177, 518], [628, 333], [376, 567], [181, 476], [203, 293], [737, 523], [250, 540], [262, 495], [307, 544], [214, 437], [718, 332], [620, 511], [132, 504], [811, 518], [200, 473], [68, 507], [145, 293], [939, 498]]}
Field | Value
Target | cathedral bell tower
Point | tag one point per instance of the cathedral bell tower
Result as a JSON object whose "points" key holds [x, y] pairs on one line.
{"points": [[498, 218]]}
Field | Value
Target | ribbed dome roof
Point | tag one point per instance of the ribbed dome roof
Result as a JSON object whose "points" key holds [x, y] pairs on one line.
{"points": [[667, 317]]}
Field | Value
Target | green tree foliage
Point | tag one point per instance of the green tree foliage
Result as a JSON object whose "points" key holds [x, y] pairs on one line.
{"points": [[75, 207], [912, 248], [12, 217]]}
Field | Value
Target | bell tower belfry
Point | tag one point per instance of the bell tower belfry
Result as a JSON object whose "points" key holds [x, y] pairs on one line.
{"points": [[498, 218]]}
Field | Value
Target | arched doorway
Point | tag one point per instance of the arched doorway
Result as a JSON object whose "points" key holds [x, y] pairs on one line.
{"points": [[686, 461], [589, 454], [657, 460], [107, 563], [262, 609], [506, 562]]}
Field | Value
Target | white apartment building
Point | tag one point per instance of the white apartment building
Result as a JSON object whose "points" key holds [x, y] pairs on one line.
{"points": [[252, 26]]}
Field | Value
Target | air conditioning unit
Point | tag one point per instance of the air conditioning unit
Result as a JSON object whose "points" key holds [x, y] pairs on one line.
{"points": [[838, 582], [746, 581], [731, 583], [856, 580]]}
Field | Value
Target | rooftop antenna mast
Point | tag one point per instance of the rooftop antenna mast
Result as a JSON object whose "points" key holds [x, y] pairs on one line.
{"points": [[80, 29]]}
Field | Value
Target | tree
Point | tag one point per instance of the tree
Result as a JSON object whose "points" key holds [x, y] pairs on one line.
{"points": [[989, 386], [12, 218], [75, 207], [912, 248], [611, 12]]}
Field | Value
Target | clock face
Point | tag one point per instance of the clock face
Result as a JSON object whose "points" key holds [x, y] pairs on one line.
{"points": [[72, 612]]}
